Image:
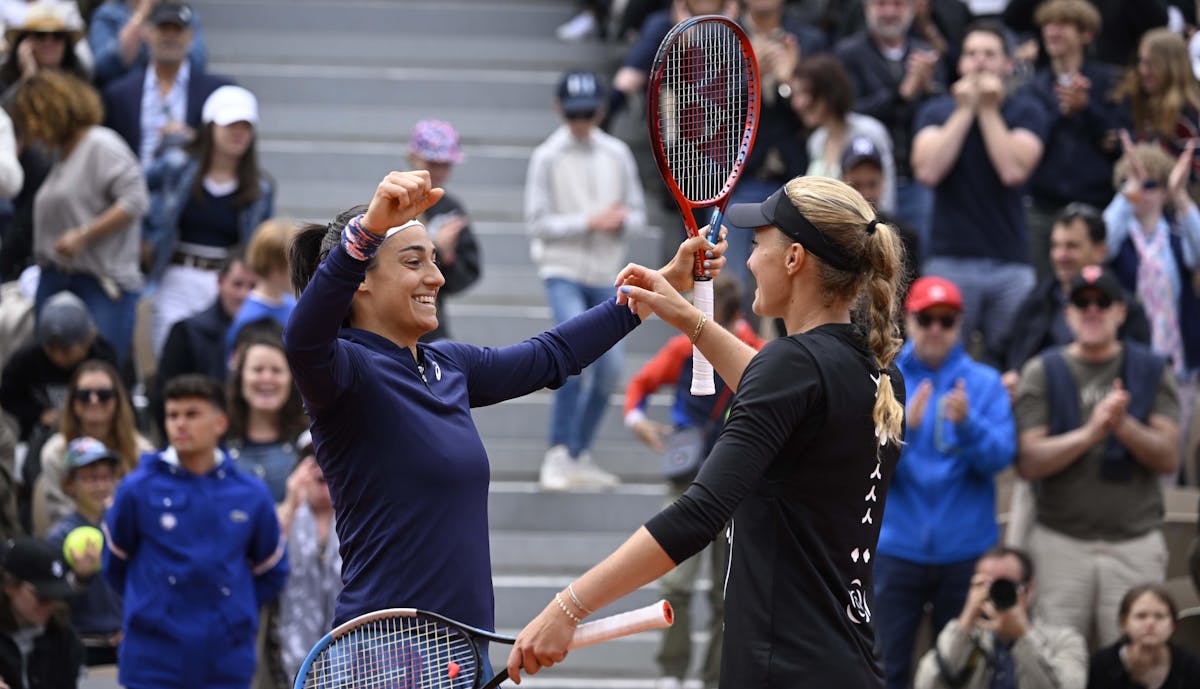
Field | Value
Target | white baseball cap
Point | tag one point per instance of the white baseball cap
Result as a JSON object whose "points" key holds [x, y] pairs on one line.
{"points": [[229, 104]]}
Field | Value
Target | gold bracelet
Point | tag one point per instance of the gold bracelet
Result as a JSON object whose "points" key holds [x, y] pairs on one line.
{"points": [[575, 600], [699, 326], [563, 606]]}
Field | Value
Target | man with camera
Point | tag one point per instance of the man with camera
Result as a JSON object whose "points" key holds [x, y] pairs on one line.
{"points": [[995, 643]]}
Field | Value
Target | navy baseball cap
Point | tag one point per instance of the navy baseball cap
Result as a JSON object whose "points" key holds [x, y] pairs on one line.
{"points": [[36, 561], [580, 91], [861, 150]]}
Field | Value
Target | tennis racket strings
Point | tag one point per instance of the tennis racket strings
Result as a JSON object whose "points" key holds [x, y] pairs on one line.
{"points": [[704, 95]]}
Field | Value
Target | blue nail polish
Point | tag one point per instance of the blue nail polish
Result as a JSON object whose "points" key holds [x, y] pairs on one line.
{"points": [[708, 264], [709, 254], [625, 289]]}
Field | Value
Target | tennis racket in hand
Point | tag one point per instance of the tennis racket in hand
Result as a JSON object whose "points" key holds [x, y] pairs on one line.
{"points": [[403, 648], [702, 108]]}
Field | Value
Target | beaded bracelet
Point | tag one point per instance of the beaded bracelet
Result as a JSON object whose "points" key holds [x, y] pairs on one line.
{"points": [[699, 326], [563, 606], [576, 601]]}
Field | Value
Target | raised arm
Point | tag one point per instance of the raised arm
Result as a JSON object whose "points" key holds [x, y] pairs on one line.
{"points": [[321, 368], [1014, 153]]}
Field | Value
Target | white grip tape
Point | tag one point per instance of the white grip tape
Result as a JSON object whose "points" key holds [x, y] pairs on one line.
{"points": [[702, 371], [655, 616]]}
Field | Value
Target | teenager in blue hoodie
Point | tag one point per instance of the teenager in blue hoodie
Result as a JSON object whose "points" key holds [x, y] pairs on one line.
{"points": [[391, 417], [941, 508]]}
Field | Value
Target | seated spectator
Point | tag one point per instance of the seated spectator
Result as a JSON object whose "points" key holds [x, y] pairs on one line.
{"points": [[893, 73], [977, 148], [192, 584], [271, 297], [87, 213], [1081, 145], [204, 202], [1098, 424], [315, 578], [119, 34], [1162, 95], [197, 344], [862, 168], [1145, 655], [158, 105], [91, 475], [1078, 239], [97, 407], [959, 435], [33, 385], [997, 642], [433, 146], [266, 415], [46, 36], [822, 95], [38, 647]]}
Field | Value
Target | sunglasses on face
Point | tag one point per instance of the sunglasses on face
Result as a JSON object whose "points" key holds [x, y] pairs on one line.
{"points": [[1150, 184], [585, 115], [946, 320], [47, 35], [102, 395], [1083, 301]]}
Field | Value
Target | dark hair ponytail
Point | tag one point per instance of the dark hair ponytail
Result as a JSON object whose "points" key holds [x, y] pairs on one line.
{"points": [[312, 244]]}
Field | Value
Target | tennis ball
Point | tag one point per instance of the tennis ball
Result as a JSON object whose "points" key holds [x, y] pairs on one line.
{"points": [[79, 540]]}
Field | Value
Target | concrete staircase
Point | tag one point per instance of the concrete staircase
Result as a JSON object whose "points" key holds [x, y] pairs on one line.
{"points": [[340, 84]]}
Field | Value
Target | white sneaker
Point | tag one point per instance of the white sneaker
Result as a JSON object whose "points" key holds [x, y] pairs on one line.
{"points": [[557, 470], [577, 28], [585, 474]]}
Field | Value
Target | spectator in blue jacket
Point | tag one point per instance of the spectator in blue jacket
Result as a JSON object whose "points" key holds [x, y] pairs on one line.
{"points": [[194, 545], [117, 37], [941, 507]]}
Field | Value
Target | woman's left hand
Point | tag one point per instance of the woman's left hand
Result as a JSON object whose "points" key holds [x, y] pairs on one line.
{"points": [[679, 272], [542, 643], [72, 243]]}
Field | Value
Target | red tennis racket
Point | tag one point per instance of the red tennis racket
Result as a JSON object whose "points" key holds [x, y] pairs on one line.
{"points": [[702, 108]]}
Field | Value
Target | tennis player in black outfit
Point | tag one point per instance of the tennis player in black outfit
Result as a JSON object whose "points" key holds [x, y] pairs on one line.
{"points": [[802, 466]]}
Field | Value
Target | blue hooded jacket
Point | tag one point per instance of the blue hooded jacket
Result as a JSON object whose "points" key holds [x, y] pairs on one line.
{"points": [[941, 505]]}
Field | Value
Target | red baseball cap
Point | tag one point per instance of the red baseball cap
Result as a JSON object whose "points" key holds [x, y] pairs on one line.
{"points": [[932, 291]]}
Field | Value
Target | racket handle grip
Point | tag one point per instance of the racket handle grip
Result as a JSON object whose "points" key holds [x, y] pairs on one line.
{"points": [[654, 616], [702, 370]]}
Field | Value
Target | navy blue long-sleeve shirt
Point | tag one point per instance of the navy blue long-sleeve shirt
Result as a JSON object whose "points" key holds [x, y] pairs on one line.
{"points": [[405, 465]]}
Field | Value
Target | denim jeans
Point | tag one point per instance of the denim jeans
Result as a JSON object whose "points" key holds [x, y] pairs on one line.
{"points": [[114, 318], [992, 292], [902, 590], [579, 405]]}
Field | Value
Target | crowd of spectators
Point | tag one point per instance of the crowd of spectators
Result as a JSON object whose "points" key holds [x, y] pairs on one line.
{"points": [[1037, 156]]}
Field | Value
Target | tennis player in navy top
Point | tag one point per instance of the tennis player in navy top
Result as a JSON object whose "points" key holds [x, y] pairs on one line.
{"points": [[391, 420], [802, 464]]}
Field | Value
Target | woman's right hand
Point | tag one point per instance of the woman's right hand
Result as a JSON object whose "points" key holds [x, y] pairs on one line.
{"points": [[400, 197]]}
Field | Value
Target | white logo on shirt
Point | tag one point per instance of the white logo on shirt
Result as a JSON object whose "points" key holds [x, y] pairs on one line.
{"points": [[168, 521], [857, 610]]}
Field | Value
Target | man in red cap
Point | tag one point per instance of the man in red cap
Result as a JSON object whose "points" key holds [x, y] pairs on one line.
{"points": [[941, 506]]}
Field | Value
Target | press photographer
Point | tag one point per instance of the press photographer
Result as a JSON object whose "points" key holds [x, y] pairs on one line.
{"points": [[994, 643]]}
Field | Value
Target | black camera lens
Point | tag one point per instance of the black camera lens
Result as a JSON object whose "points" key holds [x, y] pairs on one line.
{"points": [[1003, 593]]}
